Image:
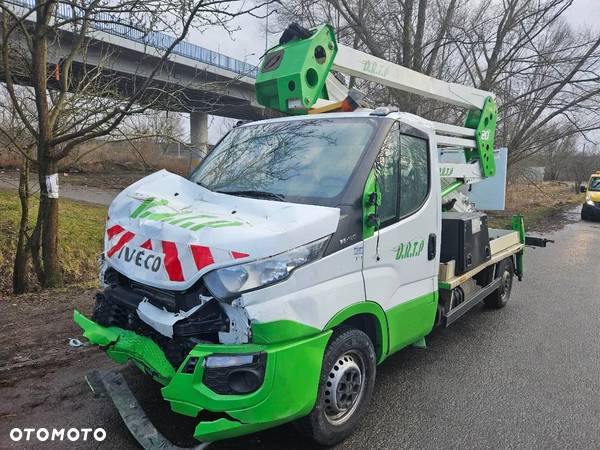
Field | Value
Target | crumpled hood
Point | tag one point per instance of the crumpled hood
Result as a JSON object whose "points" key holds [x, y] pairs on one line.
{"points": [[166, 231]]}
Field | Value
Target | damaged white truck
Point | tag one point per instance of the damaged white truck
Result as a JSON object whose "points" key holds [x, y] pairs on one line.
{"points": [[304, 250]]}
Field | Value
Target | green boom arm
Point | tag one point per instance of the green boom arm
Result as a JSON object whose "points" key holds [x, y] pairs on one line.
{"points": [[293, 74]]}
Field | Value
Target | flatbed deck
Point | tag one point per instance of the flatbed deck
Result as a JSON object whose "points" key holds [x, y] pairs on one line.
{"points": [[503, 243]]}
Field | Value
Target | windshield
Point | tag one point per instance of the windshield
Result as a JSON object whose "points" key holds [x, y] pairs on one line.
{"points": [[595, 184], [293, 160]]}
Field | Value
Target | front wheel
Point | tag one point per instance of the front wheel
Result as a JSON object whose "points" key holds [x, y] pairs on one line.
{"points": [[345, 388], [499, 298]]}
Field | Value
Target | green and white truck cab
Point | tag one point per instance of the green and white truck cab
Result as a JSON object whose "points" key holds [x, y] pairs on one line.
{"points": [[301, 253]]}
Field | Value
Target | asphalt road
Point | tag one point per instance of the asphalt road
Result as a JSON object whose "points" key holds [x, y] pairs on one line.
{"points": [[527, 376]]}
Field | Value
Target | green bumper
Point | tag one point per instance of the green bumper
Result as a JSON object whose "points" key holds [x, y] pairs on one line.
{"points": [[289, 389]]}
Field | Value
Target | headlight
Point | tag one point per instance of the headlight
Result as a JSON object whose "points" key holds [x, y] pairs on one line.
{"points": [[230, 281]]}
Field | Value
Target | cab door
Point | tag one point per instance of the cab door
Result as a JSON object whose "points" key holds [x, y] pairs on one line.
{"points": [[401, 257]]}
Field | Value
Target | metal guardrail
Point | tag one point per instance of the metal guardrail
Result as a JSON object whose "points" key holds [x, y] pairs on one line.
{"points": [[109, 24]]}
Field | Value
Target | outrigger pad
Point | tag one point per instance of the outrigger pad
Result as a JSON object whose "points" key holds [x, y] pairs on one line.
{"points": [[114, 385]]}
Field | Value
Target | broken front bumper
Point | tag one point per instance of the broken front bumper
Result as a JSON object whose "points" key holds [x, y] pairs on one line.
{"points": [[288, 390]]}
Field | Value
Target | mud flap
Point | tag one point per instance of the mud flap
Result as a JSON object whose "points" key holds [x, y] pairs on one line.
{"points": [[113, 385]]}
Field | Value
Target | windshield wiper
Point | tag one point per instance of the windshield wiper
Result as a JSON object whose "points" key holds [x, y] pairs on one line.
{"points": [[259, 194]]}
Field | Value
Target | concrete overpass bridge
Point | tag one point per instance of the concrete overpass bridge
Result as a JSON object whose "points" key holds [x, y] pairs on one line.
{"points": [[208, 82]]}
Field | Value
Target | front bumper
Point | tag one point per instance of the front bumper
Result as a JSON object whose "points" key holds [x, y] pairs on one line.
{"points": [[288, 391], [590, 212]]}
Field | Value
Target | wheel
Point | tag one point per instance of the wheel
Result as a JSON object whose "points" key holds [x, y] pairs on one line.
{"points": [[345, 388], [499, 298]]}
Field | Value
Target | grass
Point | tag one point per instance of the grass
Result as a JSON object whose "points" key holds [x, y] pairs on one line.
{"points": [[536, 202], [80, 240]]}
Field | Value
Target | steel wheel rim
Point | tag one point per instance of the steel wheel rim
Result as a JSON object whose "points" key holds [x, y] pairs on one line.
{"points": [[506, 284], [344, 387]]}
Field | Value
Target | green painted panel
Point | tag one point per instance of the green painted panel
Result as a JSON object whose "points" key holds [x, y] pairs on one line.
{"points": [[370, 308], [518, 225], [484, 123], [292, 76], [123, 345], [410, 321], [368, 207], [280, 331]]}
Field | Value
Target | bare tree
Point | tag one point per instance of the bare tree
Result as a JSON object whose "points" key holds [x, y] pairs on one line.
{"points": [[78, 98]]}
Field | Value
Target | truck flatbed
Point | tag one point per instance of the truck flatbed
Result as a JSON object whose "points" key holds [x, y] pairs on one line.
{"points": [[503, 243]]}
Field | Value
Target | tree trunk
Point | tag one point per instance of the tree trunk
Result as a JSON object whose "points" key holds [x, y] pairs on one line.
{"points": [[48, 238], [20, 263]]}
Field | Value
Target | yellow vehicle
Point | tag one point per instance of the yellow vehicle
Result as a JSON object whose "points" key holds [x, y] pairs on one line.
{"points": [[591, 206]]}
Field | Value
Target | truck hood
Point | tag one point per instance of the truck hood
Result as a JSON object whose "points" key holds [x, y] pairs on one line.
{"points": [[166, 231]]}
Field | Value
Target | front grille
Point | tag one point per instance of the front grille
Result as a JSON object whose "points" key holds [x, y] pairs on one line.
{"points": [[161, 296], [172, 301]]}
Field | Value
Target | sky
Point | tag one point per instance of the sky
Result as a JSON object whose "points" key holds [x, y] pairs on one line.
{"points": [[247, 43]]}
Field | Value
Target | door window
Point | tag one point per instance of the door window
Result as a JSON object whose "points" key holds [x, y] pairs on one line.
{"points": [[414, 173], [402, 171]]}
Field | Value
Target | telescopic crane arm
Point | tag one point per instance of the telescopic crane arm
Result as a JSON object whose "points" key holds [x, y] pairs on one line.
{"points": [[295, 74]]}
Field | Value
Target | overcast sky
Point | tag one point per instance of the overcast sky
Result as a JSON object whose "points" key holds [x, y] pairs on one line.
{"points": [[248, 43]]}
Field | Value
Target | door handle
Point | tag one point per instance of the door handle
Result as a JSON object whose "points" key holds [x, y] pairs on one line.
{"points": [[431, 247]]}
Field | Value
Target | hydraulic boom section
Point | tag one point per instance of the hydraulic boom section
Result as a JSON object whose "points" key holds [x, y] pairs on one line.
{"points": [[294, 75]]}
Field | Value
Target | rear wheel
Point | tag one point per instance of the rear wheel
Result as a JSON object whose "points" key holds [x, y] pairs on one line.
{"points": [[499, 298], [345, 388]]}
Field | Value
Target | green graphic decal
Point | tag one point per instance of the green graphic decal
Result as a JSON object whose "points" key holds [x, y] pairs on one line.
{"points": [[409, 249], [191, 220], [374, 68], [446, 171]]}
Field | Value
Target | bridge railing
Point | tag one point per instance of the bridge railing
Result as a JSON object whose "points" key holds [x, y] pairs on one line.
{"points": [[108, 23]]}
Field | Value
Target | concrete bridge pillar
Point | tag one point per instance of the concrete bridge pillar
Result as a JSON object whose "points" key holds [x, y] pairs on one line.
{"points": [[199, 132]]}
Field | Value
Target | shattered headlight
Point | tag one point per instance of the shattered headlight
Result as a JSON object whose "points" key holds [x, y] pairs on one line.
{"points": [[231, 281]]}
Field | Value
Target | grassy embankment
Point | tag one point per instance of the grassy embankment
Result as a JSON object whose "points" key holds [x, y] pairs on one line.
{"points": [[80, 240], [537, 203]]}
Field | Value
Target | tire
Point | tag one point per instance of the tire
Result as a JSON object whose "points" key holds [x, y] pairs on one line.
{"points": [[348, 367], [499, 298]]}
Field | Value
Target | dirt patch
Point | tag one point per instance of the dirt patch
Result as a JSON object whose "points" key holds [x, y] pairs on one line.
{"points": [[545, 206], [35, 333]]}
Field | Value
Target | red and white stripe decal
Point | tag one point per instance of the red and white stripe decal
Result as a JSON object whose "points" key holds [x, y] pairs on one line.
{"points": [[114, 230], [181, 261], [124, 239], [202, 256], [147, 245], [172, 263]]}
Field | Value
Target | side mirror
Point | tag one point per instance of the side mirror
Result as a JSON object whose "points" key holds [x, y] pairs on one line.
{"points": [[582, 189]]}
